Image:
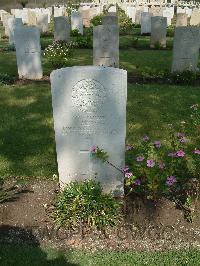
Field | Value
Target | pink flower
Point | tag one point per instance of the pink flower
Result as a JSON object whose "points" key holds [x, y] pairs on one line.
{"points": [[140, 158], [94, 149], [125, 168], [180, 135], [137, 182], [128, 174], [145, 138], [183, 140], [157, 144], [129, 147], [180, 153], [150, 163], [171, 180], [197, 152]]}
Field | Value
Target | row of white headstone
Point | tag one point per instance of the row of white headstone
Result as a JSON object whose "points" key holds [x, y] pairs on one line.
{"points": [[136, 14], [41, 21], [105, 43]]}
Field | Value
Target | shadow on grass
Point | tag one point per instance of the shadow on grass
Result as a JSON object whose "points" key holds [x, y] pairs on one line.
{"points": [[14, 252], [27, 146]]}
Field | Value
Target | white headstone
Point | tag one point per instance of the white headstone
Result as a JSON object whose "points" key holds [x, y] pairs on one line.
{"points": [[28, 51], [89, 108], [145, 22], [181, 20], [61, 29], [42, 22], [106, 45], [158, 31], [195, 18], [186, 49], [77, 21], [13, 23]]}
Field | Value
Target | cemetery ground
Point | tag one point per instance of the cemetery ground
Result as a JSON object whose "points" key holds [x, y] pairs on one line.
{"points": [[28, 164]]}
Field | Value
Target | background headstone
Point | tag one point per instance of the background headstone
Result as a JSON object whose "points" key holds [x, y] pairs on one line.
{"points": [[106, 45], [195, 18], [77, 22], [109, 20], [158, 31], [13, 23], [181, 20], [28, 51], [145, 22], [42, 22], [61, 29], [186, 49]]}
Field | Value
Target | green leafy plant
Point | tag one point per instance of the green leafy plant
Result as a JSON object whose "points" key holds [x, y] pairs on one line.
{"points": [[51, 24], [83, 41], [75, 33], [6, 79], [59, 53], [185, 77], [9, 48], [157, 169], [97, 20], [83, 203], [170, 31]]}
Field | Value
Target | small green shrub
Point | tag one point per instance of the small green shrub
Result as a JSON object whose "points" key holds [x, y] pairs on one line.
{"points": [[9, 48], [126, 25], [51, 25], [136, 26], [83, 41], [83, 203], [185, 77], [149, 73], [170, 31], [6, 79], [59, 53], [75, 33], [97, 20], [88, 31]]}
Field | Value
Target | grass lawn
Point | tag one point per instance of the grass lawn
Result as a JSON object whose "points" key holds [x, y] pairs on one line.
{"points": [[35, 256], [27, 146]]}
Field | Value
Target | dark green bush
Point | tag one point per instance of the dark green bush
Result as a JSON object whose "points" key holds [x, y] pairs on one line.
{"points": [[136, 26], [170, 31], [186, 77], [97, 20], [75, 33], [83, 41], [6, 79], [83, 203], [9, 48]]}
